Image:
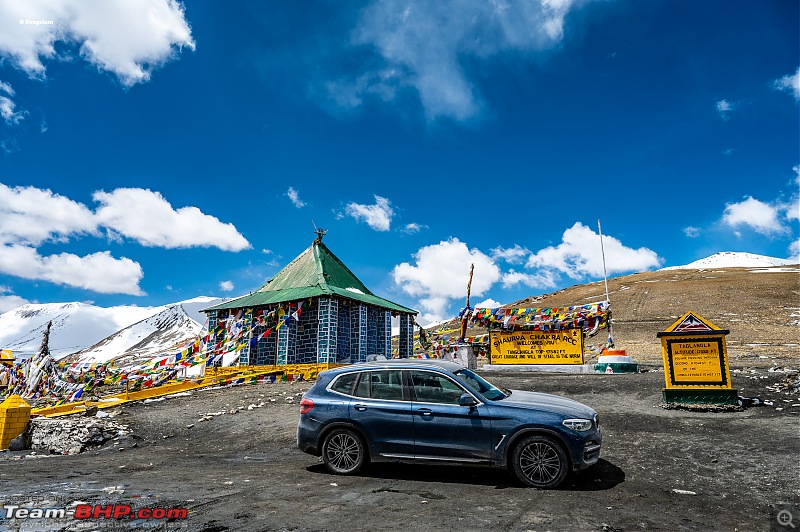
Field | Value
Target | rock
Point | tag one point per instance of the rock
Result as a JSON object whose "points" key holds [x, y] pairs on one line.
{"points": [[72, 435], [20, 443]]}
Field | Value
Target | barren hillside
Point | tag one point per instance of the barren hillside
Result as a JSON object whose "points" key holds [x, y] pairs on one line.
{"points": [[760, 307]]}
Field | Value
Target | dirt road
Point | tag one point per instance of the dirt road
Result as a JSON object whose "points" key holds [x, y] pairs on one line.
{"points": [[661, 469]]}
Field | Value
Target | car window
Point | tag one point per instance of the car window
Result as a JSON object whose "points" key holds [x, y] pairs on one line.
{"points": [[478, 384], [431, 387], [344, 383], [381, 384]]}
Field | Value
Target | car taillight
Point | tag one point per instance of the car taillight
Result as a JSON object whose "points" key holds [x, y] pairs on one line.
{"points": [[306, 405]]}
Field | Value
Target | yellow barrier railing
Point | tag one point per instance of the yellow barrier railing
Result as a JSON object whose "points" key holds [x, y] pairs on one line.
{"points": [[213, 377]]}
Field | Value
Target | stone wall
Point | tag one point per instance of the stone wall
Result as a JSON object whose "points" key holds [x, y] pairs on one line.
{"points": [[306, 335], [344, 336], [406, 340]]}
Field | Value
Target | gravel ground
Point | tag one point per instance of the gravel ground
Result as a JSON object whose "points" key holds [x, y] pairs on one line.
{"points": [[229, 457]]}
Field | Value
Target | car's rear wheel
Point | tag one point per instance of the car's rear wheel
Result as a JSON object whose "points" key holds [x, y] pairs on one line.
{"points": [[540, 462], [343, 452]]}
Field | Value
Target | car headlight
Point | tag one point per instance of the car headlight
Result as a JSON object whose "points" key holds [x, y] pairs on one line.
{"points": [[581, 425]]}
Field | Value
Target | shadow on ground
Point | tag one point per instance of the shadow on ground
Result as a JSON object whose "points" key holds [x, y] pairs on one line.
{"points": [[602, 476]]}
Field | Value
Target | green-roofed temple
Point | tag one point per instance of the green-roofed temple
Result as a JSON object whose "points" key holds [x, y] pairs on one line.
{"points": [[315, 310]]}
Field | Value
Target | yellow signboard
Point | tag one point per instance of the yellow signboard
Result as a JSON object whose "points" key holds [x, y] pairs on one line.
{"points": [[536, 347], [695, 355]]}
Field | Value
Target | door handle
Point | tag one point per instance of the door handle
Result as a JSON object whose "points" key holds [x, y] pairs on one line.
{"points": [[360, 407], [425, 411]]}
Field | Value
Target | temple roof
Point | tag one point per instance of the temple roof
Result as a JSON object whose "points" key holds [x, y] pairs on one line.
{"points": [[316, 272]]}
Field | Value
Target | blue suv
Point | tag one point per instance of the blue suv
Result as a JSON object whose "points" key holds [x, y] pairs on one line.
{"points": [[437, 411]]}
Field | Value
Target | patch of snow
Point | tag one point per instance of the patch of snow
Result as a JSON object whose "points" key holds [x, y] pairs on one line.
{"points": [[193, 307], [733, 259], [159, 334], [157, 400]]}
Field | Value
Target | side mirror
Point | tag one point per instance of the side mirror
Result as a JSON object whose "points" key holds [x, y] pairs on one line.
{"points": [[467, 400]]}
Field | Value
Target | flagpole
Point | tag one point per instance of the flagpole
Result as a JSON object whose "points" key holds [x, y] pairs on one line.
{"points": [[605, 279]]}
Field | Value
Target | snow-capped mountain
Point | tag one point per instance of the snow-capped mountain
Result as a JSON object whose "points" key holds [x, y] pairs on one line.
{"points": [[79, 326], [733, 259], [173, 327], [75, 326]]}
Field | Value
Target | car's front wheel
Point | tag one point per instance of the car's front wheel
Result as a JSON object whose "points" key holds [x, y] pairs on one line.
{"points": [[540, 462], [343, 452]]}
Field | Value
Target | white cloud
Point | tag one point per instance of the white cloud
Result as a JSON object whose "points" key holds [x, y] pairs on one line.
{"points": [[759, 216], [149, 219], [794, 251], [9, 145], [128, 38], [441, 273], [10, 301], [515, 255], [723, 108], [488, 303], [99, 272], [422, 45], [413, 228], [790, 83], [349, 94], [29, 215], [378, 216], [7, 105], [580, 254], [691, 232], [793, 208], [541, 279], [295, 198], [226, 286]]}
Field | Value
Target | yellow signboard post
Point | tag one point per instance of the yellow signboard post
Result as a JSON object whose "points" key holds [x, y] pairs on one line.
{"points": [[536, 347], [696, 368]]}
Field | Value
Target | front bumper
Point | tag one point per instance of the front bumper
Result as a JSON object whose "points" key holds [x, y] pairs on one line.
{"points": [[588, 453]]}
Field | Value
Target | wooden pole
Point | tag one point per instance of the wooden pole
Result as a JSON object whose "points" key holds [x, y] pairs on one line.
{"points": [[465, 316]]}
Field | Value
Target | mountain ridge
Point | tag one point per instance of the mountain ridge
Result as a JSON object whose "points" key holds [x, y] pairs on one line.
{"points": [[77, 327]]}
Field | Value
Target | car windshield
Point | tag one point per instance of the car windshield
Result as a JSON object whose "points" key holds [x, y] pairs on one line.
{"points": [[480, 385]]}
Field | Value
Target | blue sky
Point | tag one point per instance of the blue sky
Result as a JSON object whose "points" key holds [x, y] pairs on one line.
{"points": [[156, 151]]}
